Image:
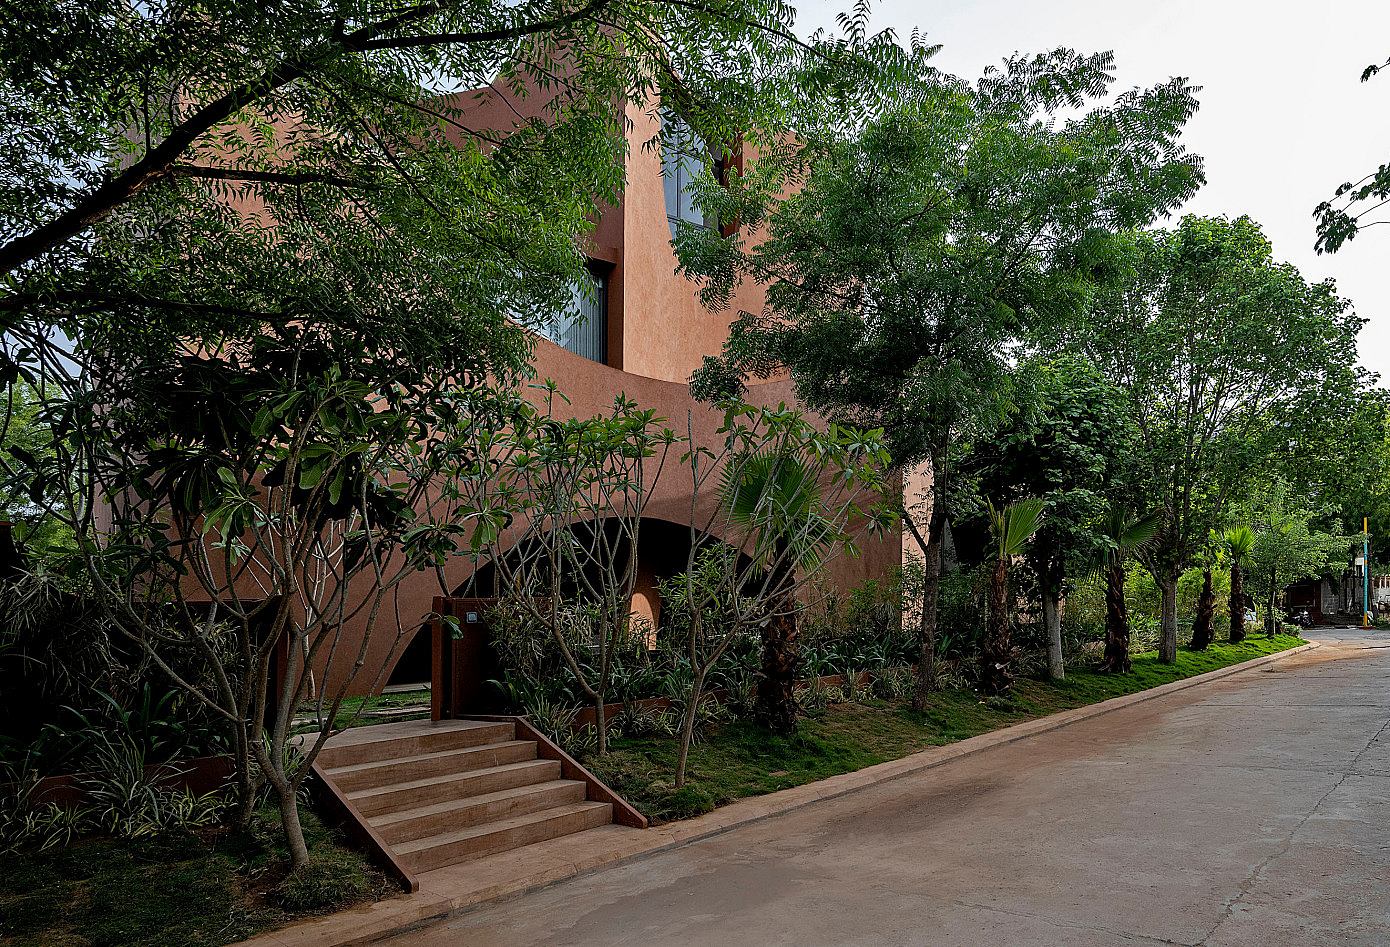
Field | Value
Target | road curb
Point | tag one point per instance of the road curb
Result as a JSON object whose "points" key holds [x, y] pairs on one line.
{"points": [[432, 904]]}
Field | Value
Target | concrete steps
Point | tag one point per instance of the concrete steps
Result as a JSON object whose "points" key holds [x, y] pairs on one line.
{"points": [[448, 792]]}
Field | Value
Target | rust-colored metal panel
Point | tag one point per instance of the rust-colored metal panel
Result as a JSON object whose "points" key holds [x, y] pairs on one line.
{"points": [[463, 660]]}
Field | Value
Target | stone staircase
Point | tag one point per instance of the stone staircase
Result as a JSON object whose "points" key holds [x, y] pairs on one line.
{"points": [[456, 790]]}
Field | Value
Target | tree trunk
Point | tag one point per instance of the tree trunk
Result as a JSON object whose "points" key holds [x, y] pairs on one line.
{"points": [[1270, 620], [931, 596], [1168, 617], [692, 708], [996, 654], [776, 702], [289, 819], [1206, 608], [1237, 604], [602, 724], [1116, 622], [245, 785], [775, 706], [1052, 619]]}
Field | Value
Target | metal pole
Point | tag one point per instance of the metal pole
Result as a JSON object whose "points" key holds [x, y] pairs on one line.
{"points": [[1365, 572]]}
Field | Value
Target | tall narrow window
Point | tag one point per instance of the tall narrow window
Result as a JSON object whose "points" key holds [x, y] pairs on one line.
{"points": [[583, 328], [683, 159]]}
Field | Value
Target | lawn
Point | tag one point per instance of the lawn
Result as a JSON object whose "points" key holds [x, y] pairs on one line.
{"points": [[194, 889], [738, 760]]}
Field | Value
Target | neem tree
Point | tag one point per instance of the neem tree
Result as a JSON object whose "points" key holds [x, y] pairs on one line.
{"points": [[1215, 343], [925, 241], [1355, 205]]}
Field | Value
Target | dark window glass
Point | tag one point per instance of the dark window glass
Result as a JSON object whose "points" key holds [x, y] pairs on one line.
{"points": [[683, 159], [583, 328]]}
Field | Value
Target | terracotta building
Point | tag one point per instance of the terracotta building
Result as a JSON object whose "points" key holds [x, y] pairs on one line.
{"points": [[643, 332]]}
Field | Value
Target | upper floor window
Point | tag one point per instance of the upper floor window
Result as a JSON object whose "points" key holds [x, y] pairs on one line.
{"points": [[684, 157], [583, 327]]}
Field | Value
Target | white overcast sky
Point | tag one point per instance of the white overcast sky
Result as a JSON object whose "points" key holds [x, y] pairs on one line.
{"points": [[1284, 116]]}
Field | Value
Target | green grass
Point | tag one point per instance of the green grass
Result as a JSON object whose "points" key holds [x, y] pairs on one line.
{"points": [[352, 712], [738, 759], [199, 890]]}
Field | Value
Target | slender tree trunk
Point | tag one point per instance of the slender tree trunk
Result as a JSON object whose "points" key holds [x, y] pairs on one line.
{"points": [[776, 699], [1052, 619], [931, 596], [1270, 620], [1168, 616], [1206, 608], [1237, 604], [601, 722], [692, 709], [245, 786], [289, 818], [995, 656], [1116, 622]]}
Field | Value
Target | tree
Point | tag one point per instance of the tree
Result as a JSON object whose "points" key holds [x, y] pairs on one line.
{"points": [[1206, 609], [1239, 541], [1350, 211], [1064, 444], [1288, 546], [1214, 343], [927, 239], [1011, 527], [790, 497], [230, 237], [560, 503], [1123, 535]]}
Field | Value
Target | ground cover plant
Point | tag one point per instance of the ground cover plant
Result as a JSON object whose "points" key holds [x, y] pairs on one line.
{"points": [[192, 888], [738, 759]]}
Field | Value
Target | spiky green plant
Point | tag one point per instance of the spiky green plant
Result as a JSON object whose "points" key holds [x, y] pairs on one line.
{"points": [[1238, 542], [1123, 534], [775, 498], [1012, 527]]}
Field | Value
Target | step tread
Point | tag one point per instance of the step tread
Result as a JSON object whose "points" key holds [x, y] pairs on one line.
{"points": [[463, 751], [449, 778], [464, 802], [377, 733], [490, 828]]}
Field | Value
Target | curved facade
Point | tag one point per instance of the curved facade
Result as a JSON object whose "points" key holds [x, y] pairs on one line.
{"points": [[655, 334]]}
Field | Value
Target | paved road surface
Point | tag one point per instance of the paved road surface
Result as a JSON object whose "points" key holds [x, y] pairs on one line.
{"points": [[1252, 811]]}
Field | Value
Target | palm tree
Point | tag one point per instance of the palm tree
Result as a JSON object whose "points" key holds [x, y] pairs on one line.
{"points": [[1012, 526], [1206, 605], [775, 497], [1239, 541], [1122, 535]]}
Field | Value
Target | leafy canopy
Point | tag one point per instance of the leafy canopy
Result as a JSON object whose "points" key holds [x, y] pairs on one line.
{"points": [[929, 236]]}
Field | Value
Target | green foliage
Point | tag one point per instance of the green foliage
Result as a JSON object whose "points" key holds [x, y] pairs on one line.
{"points": [[1355, 203], [1014, 525], [912, 258], [1286, 545], [1214, 343], [740, 760], [1065, 442], [333, 878], [201, 889]]}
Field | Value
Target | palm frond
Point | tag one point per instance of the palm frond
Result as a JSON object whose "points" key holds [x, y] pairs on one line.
{"points": [[1015, 524]]}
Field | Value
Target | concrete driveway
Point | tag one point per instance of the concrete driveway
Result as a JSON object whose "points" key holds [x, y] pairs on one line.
{"points": [[1254, 810]]}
